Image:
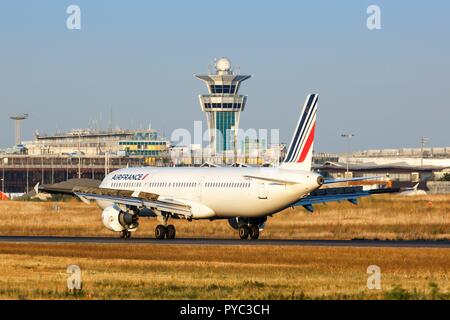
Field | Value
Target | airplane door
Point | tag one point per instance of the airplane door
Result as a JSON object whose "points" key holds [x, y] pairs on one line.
{"points": [[262, 191], [200, 188]]}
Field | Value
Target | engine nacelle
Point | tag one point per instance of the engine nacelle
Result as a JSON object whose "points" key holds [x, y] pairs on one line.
{"points": [[115, 219]]}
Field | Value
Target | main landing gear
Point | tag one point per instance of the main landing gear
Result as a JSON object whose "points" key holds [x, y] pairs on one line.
{"points": [[246, 231], [165, 232]]}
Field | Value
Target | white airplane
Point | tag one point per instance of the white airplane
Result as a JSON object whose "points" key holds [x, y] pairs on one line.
{"points": [[414, 191], [245, 196]]}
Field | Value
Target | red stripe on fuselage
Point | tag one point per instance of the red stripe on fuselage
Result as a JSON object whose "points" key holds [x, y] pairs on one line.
{"points": [[307, 145]]}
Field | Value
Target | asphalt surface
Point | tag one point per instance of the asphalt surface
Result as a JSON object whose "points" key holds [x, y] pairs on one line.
{"points": [[233, 242]]}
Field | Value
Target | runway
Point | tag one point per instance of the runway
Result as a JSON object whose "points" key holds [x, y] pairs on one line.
{"points": [[231, 242]]}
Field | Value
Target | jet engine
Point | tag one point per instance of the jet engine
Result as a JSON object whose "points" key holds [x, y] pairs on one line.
{"points": [[115, 219], [235, 223]]}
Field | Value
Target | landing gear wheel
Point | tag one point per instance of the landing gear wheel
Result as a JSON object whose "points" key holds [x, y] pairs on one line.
{"points": [[125, 234], [160, 232], [254, 232], [170, 231], [244, 232]]}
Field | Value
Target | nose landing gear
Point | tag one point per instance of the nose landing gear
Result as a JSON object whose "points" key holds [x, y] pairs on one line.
{"points": [[125, 234]]}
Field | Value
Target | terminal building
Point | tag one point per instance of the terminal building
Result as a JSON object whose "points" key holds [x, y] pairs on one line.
{"points": [[80, 153], [223, 106], [87, 142]]}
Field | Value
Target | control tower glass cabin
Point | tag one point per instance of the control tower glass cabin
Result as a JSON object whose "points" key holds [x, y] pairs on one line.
{"points": [[223, 105]]}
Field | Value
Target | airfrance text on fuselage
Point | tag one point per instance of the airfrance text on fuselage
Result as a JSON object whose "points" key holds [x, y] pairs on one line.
{"points": [[125, 176]]}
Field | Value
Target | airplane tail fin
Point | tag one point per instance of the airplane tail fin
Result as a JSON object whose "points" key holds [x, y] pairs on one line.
{"points": [[299, 154]]}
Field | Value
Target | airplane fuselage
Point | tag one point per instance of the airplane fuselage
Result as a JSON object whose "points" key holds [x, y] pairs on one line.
{"points": [[215, 193]]}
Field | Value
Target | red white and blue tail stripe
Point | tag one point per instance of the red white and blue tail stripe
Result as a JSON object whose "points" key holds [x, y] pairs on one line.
{"points": [[299, 154]]}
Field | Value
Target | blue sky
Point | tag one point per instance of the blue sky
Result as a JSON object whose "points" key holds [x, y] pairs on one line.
{"points": [[389, 86]]}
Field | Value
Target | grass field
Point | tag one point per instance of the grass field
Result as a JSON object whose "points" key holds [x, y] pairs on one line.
{"points": [[378, 217], [145, 271], [140, 271]]}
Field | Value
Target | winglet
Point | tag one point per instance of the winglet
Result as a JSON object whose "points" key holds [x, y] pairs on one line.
{"points": [[36, 188]]}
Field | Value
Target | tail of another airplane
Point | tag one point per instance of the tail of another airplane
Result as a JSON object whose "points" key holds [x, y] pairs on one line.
{"points": [[299, 154]]}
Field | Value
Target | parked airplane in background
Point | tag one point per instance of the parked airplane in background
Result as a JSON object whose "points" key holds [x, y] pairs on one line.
{"points": [[243, 195], [414, 191]]}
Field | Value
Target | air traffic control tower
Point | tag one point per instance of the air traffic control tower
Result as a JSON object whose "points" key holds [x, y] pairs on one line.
{"points": [[223, 105]]}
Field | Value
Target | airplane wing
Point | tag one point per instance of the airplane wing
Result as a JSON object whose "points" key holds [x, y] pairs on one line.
{"points": [[351, 194], [141, 200], [66, 187]]}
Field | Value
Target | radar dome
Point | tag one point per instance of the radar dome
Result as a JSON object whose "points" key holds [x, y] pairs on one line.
{"points": [[223, 64]]}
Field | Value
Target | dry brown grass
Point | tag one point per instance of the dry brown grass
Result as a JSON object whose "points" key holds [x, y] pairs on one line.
{"points": [[135, 271], [143, 271], [381, 217]]}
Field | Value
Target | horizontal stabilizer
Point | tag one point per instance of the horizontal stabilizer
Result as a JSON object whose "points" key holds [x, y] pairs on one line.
{"points": [[351, 194], [329, 181]]}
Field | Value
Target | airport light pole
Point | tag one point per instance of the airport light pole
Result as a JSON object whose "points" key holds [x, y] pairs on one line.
{"points": [[106, 163], [347, 136], [423, 141], [3, 175], [79, 155], [28, 174], [67, 168]]}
